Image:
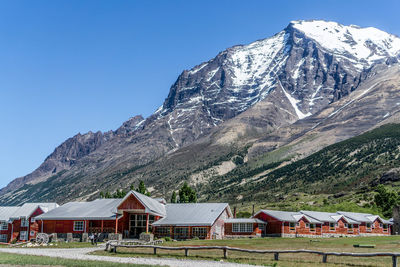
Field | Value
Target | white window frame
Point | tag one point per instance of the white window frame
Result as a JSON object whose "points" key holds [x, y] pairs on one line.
{"points": [[23, 235], [313, 227], [24, 222], [199, 231], [33, 220], [369, 228], [78, 227], [332, 226], [3, 225], [307, 225], [292, 226], [242, 227]]}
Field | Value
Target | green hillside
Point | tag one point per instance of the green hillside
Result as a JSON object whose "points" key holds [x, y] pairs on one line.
{"points": [[344, 174]]}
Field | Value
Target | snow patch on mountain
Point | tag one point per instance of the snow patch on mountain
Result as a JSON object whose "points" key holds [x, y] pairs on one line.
{"points": [[367, 45]]}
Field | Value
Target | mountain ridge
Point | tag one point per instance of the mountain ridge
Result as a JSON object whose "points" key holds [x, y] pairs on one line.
{"points": [[276, 81]]}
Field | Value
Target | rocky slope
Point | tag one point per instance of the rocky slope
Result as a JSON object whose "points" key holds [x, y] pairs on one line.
{"points": [[247, 94]]}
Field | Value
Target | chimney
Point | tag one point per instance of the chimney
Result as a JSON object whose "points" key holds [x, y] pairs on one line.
{"points": [[252, 214], [234, 212]]}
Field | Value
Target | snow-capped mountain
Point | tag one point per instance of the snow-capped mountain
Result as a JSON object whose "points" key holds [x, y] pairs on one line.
{"points": [[314, 63], [299, 72]]}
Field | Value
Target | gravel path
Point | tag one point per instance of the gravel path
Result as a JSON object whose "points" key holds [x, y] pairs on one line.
{"points": [[81, 254]]}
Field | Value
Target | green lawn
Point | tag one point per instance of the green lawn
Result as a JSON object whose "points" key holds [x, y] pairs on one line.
{"points": [[17, 259], [387, 244]]}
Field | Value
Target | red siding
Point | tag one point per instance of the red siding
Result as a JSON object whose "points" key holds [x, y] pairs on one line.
{"points": [[131, 203]]}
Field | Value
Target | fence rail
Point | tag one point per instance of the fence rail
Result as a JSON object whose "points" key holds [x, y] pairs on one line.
{"points": [[112, 246]]}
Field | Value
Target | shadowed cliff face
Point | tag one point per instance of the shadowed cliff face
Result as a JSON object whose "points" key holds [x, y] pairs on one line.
{"points": [[245, 93]]}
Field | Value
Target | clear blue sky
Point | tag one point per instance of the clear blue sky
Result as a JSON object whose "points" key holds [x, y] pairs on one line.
{"points": [[75, 66]]}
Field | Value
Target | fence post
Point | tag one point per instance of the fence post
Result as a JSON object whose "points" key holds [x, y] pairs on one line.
{"points": [[186, 252], [155, 251], [394, 261], [225, 253], [324, 258], [115, 249], [276, 256]]}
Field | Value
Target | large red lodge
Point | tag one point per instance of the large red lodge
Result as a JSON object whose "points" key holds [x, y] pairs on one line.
{"points": [[137, 213]]}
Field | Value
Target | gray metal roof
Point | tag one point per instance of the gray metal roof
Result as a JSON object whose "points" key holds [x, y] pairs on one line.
{"points": [[151, 205], [363, 217], [287, 216], [244, 220], [192, 214], [27, 209], [100, 209], [6, 212], [328, 216]]}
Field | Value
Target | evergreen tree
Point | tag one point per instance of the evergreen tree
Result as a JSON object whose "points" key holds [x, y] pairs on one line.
{"points": [[386, 200], [187, 194], [107, 195], [173, 197], [142, 189], [101, 194]]}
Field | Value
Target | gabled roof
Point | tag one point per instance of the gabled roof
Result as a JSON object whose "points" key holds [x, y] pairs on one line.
{"points": [[26, 210], [99, 209], [244, 220], [192, 214], [363, 217], [328, 216], [288, 216], [151, 205], [6, 212]]}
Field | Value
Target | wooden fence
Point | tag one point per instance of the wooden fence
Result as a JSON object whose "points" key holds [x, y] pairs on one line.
{"points": [[114, 245]]}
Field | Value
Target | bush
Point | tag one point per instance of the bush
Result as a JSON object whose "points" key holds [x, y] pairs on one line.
{"points": [[238, 160], [167, 239]]}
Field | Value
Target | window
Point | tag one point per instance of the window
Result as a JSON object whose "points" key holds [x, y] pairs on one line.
{"points": [[163, 231], [199, 231], [291, 226], [242, 227], [346, 225], [381, 225], [307, 225], [31, 233], [385, 227], [3, 238], [368, 226], [298, 224], [3, 225], [23, 235], [350, 228], [312, 227], [332, 226], [33, 220], [24, 223], [78, 225], [181, 232]]}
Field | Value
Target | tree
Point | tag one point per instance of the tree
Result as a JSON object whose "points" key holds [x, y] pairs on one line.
{"points": [[173, 197], [101, 194], [187, 194], [386, 200], [142, 189], [107, 195]]}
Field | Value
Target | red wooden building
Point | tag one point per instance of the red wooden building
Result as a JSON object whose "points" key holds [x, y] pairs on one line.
{"points": [[137, 213], [244, 227], [19, 223], [322, 224]]}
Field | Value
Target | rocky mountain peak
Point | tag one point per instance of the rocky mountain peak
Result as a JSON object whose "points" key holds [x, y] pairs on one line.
{"points": [[366, 45]]}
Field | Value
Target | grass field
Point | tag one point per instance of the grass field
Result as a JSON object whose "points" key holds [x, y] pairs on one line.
{"points": [[18, 259], [387, 244]]}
